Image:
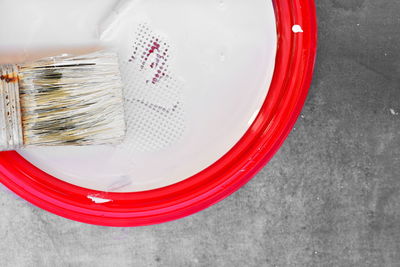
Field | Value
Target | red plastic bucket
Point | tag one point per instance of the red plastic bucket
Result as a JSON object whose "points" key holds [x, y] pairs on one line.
{"points": [[292, 77]]}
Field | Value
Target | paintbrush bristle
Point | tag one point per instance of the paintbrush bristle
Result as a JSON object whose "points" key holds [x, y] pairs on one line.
{"points": [[72, 100]]}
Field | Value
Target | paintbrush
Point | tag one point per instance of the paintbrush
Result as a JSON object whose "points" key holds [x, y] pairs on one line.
{"points": [[62, 100]]}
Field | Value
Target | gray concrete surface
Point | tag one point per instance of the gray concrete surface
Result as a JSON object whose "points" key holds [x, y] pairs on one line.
{"points": [[330, 197]]}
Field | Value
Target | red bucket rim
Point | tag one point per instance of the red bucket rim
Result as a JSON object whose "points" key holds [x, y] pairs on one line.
{"points": [[288, 91]]}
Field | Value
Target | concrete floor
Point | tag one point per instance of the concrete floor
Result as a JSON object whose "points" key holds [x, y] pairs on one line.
{"points": [[330, 197]]}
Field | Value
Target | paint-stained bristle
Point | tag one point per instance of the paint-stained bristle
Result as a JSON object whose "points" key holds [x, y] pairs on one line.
{"points": [[72, 100]]}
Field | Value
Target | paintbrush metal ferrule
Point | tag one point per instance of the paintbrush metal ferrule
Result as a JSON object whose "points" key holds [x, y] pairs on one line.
{"points": [[63, 100]]}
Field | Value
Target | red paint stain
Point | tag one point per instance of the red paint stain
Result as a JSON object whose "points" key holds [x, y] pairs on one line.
{"points": [[9, 78], [155, 47], [157, 62]]}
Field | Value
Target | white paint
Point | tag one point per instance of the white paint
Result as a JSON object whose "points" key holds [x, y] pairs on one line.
{"points": [[225, 67], [118, 11], [394, 113], [253, 117], [297, 29], [99, 200]]}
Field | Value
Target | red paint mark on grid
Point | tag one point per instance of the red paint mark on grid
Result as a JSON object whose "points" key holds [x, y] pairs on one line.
{"points": [[151, 53]]}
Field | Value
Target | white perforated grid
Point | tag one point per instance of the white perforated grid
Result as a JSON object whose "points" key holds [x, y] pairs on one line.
{"points": [[153, 102]]}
